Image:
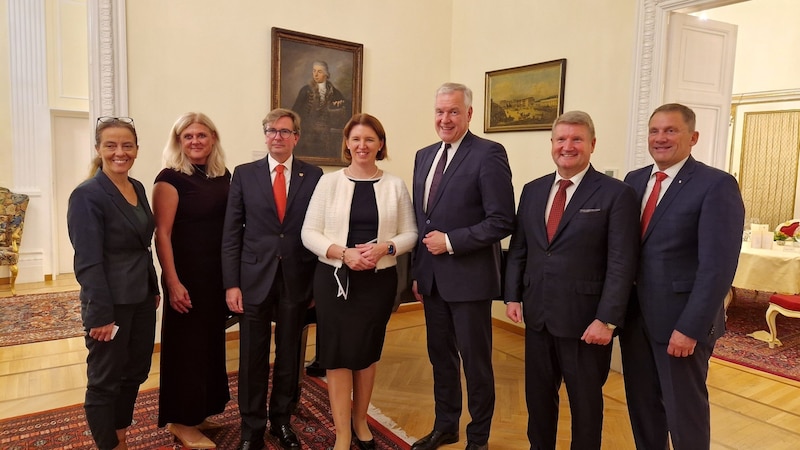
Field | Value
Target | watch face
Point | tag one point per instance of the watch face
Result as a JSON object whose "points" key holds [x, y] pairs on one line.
{"points": [[391, 249]]}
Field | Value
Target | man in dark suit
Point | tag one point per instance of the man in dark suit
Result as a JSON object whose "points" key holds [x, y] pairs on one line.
{"points": [[267, 274], [464, 207], [691, 235], [571, 264]]}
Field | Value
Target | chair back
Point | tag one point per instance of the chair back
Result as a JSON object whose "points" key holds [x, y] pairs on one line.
{"points": [[12, 219]]}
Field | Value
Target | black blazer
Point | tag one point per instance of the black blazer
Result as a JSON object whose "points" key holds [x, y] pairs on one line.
{"points": [[586, 272], [474, 205], [113, 259], [254, 241]]}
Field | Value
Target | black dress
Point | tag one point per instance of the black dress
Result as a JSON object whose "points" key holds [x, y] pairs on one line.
{"points": [[352, 331], [194, 381]]}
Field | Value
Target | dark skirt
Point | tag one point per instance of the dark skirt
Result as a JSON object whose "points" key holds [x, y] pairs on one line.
{"points": [[351, 332]]}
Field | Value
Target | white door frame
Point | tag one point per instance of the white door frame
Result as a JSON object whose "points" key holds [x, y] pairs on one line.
{"points": [[649, 67]]}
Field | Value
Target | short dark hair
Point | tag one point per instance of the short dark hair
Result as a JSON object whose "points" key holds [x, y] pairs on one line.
{"points": [[368, 121]]}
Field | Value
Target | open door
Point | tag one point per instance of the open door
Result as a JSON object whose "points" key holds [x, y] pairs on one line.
{"points": [[699, 74]]}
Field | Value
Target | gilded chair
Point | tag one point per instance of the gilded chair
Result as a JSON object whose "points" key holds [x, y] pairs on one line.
{"points": [[12, 218]]}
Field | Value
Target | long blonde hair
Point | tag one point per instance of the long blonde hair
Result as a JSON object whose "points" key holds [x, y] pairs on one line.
{"points": [[175, 159]]}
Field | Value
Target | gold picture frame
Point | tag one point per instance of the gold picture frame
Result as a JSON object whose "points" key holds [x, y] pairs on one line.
{"points": [[295, 56], [524, 98]]}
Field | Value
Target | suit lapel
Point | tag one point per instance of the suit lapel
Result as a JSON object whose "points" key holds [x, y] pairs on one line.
{"points": [[675, 187], [123, 206], [426, 162], [296, 182], [463, 150], [540, 194], [584, 191]]}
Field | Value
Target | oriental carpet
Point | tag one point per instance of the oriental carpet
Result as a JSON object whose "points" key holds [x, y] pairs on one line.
{"points": [[746, 314], [39, 317], [66, 428]]}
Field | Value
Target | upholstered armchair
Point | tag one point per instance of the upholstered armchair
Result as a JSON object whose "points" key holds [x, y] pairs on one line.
{"points": [[12, 217]]}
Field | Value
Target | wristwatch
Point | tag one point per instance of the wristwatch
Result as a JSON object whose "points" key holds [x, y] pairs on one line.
{"points": [[391, 249]]}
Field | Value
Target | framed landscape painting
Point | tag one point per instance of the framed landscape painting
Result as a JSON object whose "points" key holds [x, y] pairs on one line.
{"points": [[525, 98]]}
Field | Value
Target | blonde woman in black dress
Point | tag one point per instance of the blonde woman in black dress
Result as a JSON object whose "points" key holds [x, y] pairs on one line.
{"points": [[358, 221], [189, 200]]}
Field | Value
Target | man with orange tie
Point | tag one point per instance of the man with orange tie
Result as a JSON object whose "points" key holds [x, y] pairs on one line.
{"points": [[691, 228], [569, 271], [267, 275]]}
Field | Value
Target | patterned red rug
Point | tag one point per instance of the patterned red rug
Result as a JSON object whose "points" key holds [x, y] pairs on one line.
{"points": [[39, 317], [65, 428], [746, 315]]}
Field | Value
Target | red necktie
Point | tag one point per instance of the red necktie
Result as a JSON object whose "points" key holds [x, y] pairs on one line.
{"points": [[437, 176], [557, 209], [279, 190], [650, 206]]}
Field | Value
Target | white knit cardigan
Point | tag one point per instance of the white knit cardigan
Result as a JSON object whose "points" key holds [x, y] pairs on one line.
{"points": [[328, 216]]}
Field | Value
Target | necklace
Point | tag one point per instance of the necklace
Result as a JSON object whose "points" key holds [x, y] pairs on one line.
{"points": [[201, 170], [350, 174]]}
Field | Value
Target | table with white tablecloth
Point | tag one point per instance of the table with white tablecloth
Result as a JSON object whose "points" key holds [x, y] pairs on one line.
{"points": [[769, 270]]}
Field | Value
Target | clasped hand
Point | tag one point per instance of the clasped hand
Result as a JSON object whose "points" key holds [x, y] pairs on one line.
{"points": [[364, 256]]}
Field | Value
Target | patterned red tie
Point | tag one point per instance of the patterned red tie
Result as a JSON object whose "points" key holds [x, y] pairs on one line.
{"points": [[650, 206], [279, 190], [557, 210]]}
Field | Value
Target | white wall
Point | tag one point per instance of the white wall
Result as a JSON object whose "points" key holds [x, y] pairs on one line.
{"points": [[181, 58], [768, 44]]}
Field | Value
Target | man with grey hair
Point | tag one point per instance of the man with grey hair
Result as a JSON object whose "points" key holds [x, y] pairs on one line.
{"points": [[569, 272], [324, 110], [464, 204]]}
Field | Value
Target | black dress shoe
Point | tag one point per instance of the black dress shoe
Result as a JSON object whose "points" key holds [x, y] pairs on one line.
{"points": [[250, 445], [314, 370], [285, 435], [474, 446], [363, 445], [434, 440]]}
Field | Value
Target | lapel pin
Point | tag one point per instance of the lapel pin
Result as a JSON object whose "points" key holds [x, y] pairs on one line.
{"points": [[301, 174]]}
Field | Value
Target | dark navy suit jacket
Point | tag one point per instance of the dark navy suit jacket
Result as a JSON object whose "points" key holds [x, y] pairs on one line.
{"points": [[689, 252], [474, 205], [587, 270], [254, 241], [113, 259]]}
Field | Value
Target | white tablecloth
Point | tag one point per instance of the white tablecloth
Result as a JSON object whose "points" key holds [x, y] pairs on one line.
{"points": [[768, 270]]}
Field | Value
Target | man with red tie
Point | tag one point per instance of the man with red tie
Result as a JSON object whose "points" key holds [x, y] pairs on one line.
{"points": [[569, 272], [267, 275], [692, 217]]}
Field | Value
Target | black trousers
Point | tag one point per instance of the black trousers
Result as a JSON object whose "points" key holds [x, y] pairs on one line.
{"points": [[461, 332], [255, 327], [116, 369]]}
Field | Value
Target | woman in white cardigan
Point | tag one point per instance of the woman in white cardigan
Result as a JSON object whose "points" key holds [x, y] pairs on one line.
{"points": [[359, 219]]}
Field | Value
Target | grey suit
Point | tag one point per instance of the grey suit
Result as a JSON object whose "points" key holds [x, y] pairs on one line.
{"points": [[114, 266]]}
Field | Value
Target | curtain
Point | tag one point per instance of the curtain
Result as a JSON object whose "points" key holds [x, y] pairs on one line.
{"points": [[768, 174]]}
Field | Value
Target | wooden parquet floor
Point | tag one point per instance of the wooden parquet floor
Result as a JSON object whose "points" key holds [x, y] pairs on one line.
{"points": [[750, 410]]}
